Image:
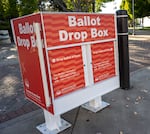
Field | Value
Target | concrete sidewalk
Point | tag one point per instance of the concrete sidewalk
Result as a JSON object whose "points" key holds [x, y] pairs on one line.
{"points": [[128, 113]]}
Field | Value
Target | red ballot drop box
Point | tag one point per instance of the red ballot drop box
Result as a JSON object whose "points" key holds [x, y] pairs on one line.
{"points": [[67, 59]]}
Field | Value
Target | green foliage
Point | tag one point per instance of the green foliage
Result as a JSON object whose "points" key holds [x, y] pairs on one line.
{"points": [[27, 7], [77, 5], [145, 28], [141, 8], [8, 9], [1, 10], [127, 5], [12, 9]]}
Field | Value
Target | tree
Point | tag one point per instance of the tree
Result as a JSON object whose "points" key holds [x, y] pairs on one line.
{"points": [[27, 7], [59, 5], [8, 9], [12, 9], [141, 8], [1, 10], [77, 5], [126, 5]]}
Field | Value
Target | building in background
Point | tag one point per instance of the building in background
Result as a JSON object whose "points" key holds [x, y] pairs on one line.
{"points": [[146, 22]]}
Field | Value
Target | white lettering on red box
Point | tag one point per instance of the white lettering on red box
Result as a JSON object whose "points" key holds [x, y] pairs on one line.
{"points": [[26, 28], [85, 21], [98, 33], [64, 35]]}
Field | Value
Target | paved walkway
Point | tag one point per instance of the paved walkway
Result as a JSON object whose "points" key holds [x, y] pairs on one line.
{"points": [[12, 100], [139, 51]]}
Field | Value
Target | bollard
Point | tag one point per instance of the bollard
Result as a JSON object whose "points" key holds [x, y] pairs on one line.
{"points": [[122, 32]]}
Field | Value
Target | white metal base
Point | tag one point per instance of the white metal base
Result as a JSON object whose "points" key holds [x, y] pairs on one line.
{"points": [[44, 130], [53, 124], [95, 105], [95, 109]]}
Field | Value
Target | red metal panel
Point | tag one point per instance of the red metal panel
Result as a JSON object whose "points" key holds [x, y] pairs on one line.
{"points": [[67, 70], [103, 61], [64, 29], [29, 58]]}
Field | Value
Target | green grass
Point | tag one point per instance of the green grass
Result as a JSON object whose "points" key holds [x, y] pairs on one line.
{"points": [[140, 28], [145, 28]]}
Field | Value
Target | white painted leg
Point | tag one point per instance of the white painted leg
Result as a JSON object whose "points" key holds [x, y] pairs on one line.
{"points": [[53, 124], [95, 105]]}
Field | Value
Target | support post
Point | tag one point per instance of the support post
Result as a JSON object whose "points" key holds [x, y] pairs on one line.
{"points": [[122, 31], [133, 19], [95, 105], [42, 64], [53, 124]]}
